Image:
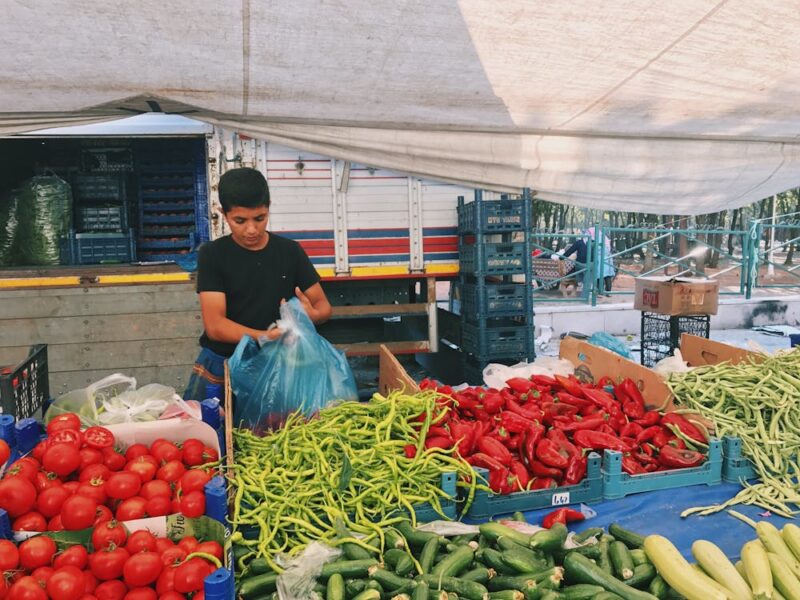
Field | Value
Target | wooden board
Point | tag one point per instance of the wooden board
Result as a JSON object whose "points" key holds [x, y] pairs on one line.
{"points": [[392, 375]]}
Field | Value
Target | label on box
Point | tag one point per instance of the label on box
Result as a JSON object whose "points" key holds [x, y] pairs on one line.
{"points": [[650, 298], [560, 499]]}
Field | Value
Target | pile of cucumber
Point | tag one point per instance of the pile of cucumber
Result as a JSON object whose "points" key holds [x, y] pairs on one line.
{"points": [[499, 563]]}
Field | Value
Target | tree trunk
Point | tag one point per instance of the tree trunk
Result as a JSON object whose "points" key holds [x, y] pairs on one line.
{"points": [[734, 224]]}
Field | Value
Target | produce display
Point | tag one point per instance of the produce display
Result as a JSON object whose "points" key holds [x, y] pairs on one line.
{"points": [[756, 401]]}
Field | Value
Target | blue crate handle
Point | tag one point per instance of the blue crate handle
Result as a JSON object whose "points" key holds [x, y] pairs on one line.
{"points": [[7, 433], [219, 585], [217, 499], [28, 434], [209, 410], [5, 525]]}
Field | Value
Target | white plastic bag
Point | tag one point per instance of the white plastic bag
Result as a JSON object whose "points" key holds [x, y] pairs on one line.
{"points": [[672, 364], [495, 375], [298, 580], [85, 401]]}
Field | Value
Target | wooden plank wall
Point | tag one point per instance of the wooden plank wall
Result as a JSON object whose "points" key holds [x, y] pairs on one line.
{"points": [[149, 332]]}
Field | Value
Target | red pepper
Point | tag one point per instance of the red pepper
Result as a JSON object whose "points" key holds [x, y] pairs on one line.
{"points": [[599, 441], [464, 434], [481, 415], [445, 443], [620, 394], [632, 466], [572, 400], [631, 430], [653, 467], [563, 516], [592, 422], [606, 429], [520, 385], [647, 449], [498, 479], [687, 428], [676, 442], [514, 422], [465, 402], [514, 441], [530, 412], [649, 419], [493, 403], [646, 459], [648, 434], [543, 483], [633, 409], [544, 381], [438, 431], [410, 450], [531, 439], [576, 470], [675, 458], [549, 453], [540, 469], [495, 449], [632, 391], [605, 381], [661, 437], [484, 461], [522, 476], [602, 398], [564, 445], [571, 385]]}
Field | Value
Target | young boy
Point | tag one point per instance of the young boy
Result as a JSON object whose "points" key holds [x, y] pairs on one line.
{"points": [[242, 278]]}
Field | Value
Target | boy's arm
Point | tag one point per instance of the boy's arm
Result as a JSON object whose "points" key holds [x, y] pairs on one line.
{"points": [[220, 328], [315, 303]]}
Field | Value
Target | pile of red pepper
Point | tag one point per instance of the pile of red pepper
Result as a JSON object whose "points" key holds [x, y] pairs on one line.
{"points": [[536, 433]]}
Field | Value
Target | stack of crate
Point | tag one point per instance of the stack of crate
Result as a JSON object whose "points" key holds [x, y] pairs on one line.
{"points": [[497, 322]]}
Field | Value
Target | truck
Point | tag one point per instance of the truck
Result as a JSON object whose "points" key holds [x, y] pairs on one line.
{"points": [[144, 197]]}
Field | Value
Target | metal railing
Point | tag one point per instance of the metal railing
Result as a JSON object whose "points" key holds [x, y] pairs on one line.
{"points": [[772, 242]]}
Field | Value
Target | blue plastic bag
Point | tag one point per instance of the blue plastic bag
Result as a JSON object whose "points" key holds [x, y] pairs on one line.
{"points": [[300, 370], [609, 342]]}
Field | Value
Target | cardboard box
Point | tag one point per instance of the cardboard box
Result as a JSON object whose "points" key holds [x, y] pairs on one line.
{"points": [[392, 375], [677, 295]]}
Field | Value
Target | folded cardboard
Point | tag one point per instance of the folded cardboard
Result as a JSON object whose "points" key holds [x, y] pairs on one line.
{"points": [[677, 296], [392, 375]]}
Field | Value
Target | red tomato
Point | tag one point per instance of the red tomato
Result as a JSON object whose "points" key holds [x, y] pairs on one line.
{"points": [[142, 569], [61, 459], [171, 471], [135, 451], [212, 548], [90, 583], [102, 515], [26, 588], [5, 452], [38, 449], [75, 556], [189, 575], [78, 512], [90, 456], [210, 454], [171, 595], [32, 521], [67, 583], [94, 489], [163, 544], [17, 496], [55, 524], [43, 574], [94, 472], [194, 480], [142, 593], [189, 543], [131, 508], [46, 480], [107, 564], [113, 459], [141, 541], [111, 590], [72, 486], [71, 437], [193, 452], [50, 501], [193, 504], [98, 437], [26, 467], [166, 581], [165, 451], [108, 534], [9, 555], [65, 421], [36, 552], [154, 488], [144, 468], [199, 595], [172, 557], [158, 506], [123, 484]]}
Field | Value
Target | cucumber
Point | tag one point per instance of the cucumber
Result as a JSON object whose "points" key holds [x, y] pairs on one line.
{"points": [[427, 556], [368, 595], [420, 592], [393, 539], [258, 586], [371, 584], [522, 560], [532, 555], [579, 569], [585, 535], [402, 596], [607, 596], [388, 580], [604, 558], [259, 566], [592, 551], [335, 589], [414, 537], [783, 578], [493, 531], [404, 566], [507, 595], [642, 576], [629, 538], [465, 538], [549, 540], [479, 574], [471, 590], [658, 587], [719, 568], [353, 587], [391, 556], [639, 556], [494, 560], [348, 568], [518, 516], [454, 563], [580, 591], [621, 560], [527, 581]]}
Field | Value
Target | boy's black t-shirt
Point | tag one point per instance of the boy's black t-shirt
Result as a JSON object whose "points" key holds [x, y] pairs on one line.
{"points": [[254, 281]]}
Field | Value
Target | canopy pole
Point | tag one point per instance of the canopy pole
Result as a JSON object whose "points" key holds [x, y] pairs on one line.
{"points": [[771, 263]]}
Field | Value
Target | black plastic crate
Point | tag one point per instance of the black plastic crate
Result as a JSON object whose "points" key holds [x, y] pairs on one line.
{"points": [[493, 258], [492, 216], [97, 248], [98, 186], [495, 300], [25, 388], [499, 337], [101, 218], [661, 334]]}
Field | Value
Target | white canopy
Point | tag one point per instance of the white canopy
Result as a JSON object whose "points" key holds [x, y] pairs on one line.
{"points": [[685, 106]]}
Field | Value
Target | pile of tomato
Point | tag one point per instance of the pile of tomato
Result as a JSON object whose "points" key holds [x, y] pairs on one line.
{"points": [[122, 566], [77, 479]]}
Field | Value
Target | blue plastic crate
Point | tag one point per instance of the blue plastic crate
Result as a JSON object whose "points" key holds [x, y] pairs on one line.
{"points": [[170, 219], [160, 244], [102, 218], [492, 216], [97, 248], [488, 505], [493, 258], [504, 338], [735, 467], [617, 483], [98, 186], [183, 205], [425, 512], [497, 300]]}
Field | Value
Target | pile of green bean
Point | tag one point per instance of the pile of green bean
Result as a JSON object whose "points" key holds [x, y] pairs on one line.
{"points": [[758, 401], [346, 466]]}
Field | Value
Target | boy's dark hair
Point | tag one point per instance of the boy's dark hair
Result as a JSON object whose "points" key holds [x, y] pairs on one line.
{"points": [[243, 187]]}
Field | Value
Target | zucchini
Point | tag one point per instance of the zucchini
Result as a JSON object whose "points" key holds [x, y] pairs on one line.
{"points": [[259, 566], [471, 590], [258, 586], [720, 569], [393, 539], [402, 596], [642, 576], [348, 568], [658, 587], [549, 540], [391, 556], [773, 542], [428, 555], [579, 569], [629, 538], [454, 563], [603, 559], [677, 572], [404, 566], [621, 560], [580, 591], [465, 538], [639, 556], [592, 551], [335, 589], [791, 537], [757, 571], [420, 592], [493, 531], [527, 581], [607, 596], [534, 556], [585, 535], [783, 578]]}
